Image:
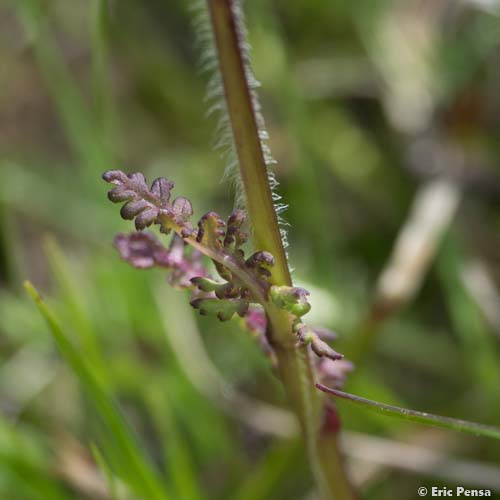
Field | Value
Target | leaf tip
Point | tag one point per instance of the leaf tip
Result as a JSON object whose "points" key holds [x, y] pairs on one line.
{"points": [[32, 291]]}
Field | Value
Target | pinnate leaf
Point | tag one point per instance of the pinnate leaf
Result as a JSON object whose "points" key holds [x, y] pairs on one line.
{"points": [[261, 262], [235, 236], [221, 290], [143, 251], [224, 309], [148, 205], [211, 231], [246, 281]]}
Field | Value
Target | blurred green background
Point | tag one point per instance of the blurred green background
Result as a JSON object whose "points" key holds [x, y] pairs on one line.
{"points": [[384, 119]]}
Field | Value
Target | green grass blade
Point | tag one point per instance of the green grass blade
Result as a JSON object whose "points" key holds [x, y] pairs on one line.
{"points": [[264, 481], [106, 471], [30, 479], [417, 416], [178, 455], [135, 468], [65, 278], [27, 464]]}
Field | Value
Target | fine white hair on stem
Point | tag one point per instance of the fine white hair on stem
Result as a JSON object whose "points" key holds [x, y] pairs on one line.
{"points": [[215, 99]]}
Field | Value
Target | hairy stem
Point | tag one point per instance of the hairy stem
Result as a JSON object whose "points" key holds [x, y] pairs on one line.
{"points": [[245, 130], [295, 368]]}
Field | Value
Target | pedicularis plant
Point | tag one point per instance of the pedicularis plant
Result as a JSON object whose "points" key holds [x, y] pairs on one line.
{"points": [[257, 287]]}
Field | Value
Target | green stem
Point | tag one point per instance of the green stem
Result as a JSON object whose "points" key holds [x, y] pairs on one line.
{"points": [[417, 416], [266, 234], [295, 367]]}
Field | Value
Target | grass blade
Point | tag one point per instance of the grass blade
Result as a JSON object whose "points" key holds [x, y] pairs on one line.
{"points": [[417, 416], [135, 468], [106, 472], [178, 456], [64, 277], [263, 481]]}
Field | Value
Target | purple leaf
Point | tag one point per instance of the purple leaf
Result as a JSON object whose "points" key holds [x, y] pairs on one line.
{"points": [[261, 262], [144, 251], [182, 209], [148, 206], [185, 265], [234, 234], [141, 250]]}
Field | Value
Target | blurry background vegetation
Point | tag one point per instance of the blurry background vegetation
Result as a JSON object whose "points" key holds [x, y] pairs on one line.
{"points": [[383, 115]]}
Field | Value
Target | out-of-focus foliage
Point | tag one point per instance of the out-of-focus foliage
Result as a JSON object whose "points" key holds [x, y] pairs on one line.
{"points": [[368, 104]]}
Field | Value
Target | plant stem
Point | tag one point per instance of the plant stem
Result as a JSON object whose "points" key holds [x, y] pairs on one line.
{"points": [[454, 424], [298, 377], [266, 234], [295, 367]]}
